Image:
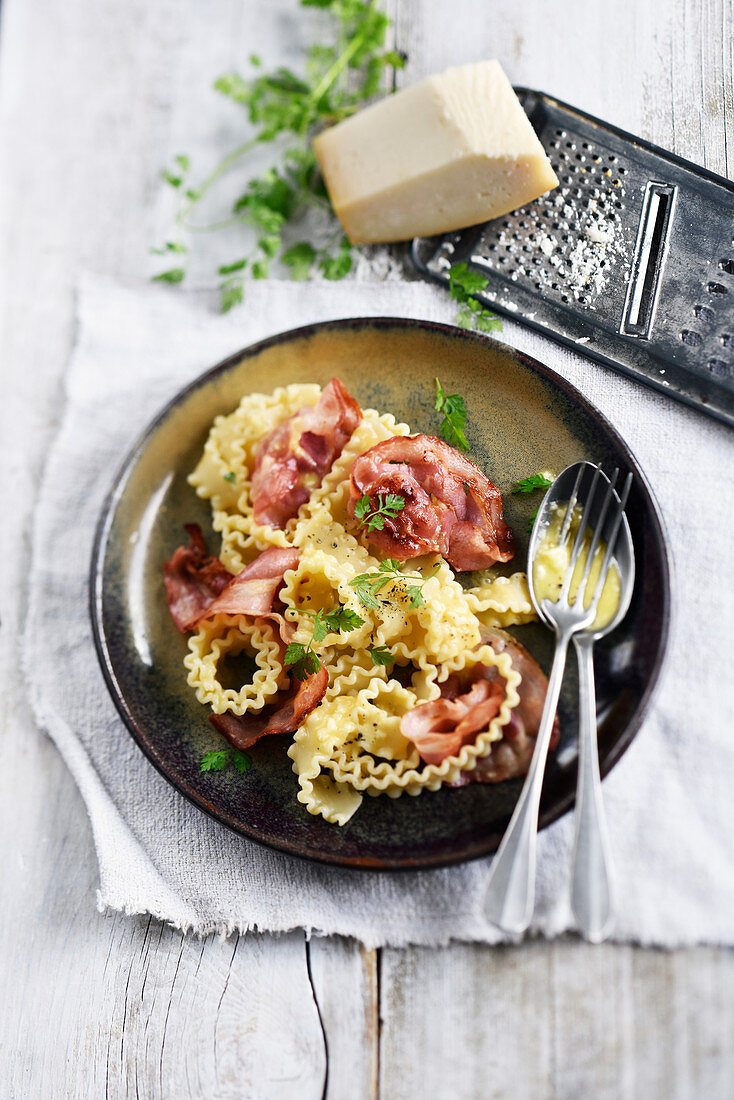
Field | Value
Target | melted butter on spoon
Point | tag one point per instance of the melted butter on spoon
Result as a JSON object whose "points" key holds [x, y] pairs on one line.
{"points": [[552, 561]]}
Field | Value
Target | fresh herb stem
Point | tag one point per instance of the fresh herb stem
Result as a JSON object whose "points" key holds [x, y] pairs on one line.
{"points": [[222, 168]]}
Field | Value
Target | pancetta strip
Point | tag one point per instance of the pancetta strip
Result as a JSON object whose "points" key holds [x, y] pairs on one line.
{"points": [[440, 728], [292, 459], [283, 716], [511, 756], [252, 592], [193, 580], [451, 507], [198, 585], [468, 705]]}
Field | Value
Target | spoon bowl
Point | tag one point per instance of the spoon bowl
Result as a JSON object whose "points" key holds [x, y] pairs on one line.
{"points": [[575, 482]]}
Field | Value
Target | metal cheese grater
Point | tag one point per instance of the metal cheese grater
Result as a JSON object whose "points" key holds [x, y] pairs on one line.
{"points": [[630, 259]]}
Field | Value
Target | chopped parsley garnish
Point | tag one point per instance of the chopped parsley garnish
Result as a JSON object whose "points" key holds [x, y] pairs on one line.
{"points": [[217, 760], [464, 283], [214, 761], [453, 408], [230, 476], [381, 655], [372, 515], [369, 585], [302, 658], [530, 484]]}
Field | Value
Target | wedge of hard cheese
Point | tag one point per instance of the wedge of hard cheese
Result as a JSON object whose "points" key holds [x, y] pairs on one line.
{"points": [[450, 151]]}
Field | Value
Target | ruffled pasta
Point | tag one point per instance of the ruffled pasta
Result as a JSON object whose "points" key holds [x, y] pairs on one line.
{"points": [[351, 744], [502, 601], [231, 635]]}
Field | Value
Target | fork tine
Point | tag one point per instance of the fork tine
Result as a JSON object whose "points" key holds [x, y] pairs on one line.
{"points": [[598, 528], [578, 542], [611, 543], [569, 510]]}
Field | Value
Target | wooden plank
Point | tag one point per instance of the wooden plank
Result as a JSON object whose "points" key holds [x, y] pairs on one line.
{"points": [[467, 1022], [567, 1020], [122, 1006], [344, 975], [662, 70]]}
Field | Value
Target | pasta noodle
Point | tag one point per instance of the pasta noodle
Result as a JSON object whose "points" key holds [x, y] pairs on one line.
{"points": [[351, 743]]}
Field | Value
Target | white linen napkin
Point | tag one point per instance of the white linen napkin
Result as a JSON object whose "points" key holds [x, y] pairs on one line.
{"points": [[669, 800]]}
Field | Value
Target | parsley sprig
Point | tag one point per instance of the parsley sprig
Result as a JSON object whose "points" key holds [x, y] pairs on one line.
{"points": [[301, 657], [369, 585], [373, 516], [530, 484], [464, 283], [341, 74], [217, 760], [381, 655], [453, 408]]}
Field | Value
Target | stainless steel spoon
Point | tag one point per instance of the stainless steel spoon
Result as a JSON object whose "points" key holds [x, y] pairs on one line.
{"points": [[592, 891], [511, 887]]}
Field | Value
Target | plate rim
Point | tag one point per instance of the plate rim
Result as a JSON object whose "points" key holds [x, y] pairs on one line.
{"points": [[107, 514]]}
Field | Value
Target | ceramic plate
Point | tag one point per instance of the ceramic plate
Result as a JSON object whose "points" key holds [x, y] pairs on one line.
{"points": [[522, 418]]}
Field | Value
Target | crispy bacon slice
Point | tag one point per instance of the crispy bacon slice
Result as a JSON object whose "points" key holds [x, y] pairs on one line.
{"points": [[293, 458], [283, 716], [193, 580], [451, 507], [438, 729]]}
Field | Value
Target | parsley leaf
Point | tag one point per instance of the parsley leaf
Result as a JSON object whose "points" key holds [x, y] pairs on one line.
{"points": [[302, 660], [241, 761], [453, 408], [373, 516], [529, 484], [214, 761], [464, 283], [169, 246], [228, 269], [531, 521], [320, 627], [217, 760], [369, 585], [337, 267], [381, 655], [299, 258], [230, 476], [175, 275], [344, 620], [231, 294]]}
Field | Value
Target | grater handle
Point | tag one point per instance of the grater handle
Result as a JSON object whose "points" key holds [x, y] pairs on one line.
{"points": [[651, 246]]}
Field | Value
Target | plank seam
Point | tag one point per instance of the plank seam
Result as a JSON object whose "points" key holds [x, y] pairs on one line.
{"points": [[321, 1019]]}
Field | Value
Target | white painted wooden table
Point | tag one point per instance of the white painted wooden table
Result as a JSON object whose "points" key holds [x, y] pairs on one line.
{"points": [[95, 95]]}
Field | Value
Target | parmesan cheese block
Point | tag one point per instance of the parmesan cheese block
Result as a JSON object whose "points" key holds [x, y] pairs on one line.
{"points": [[450, 151]]}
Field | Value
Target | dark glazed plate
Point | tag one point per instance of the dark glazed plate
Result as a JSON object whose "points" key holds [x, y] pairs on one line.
{"points": [[523, 418]]}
